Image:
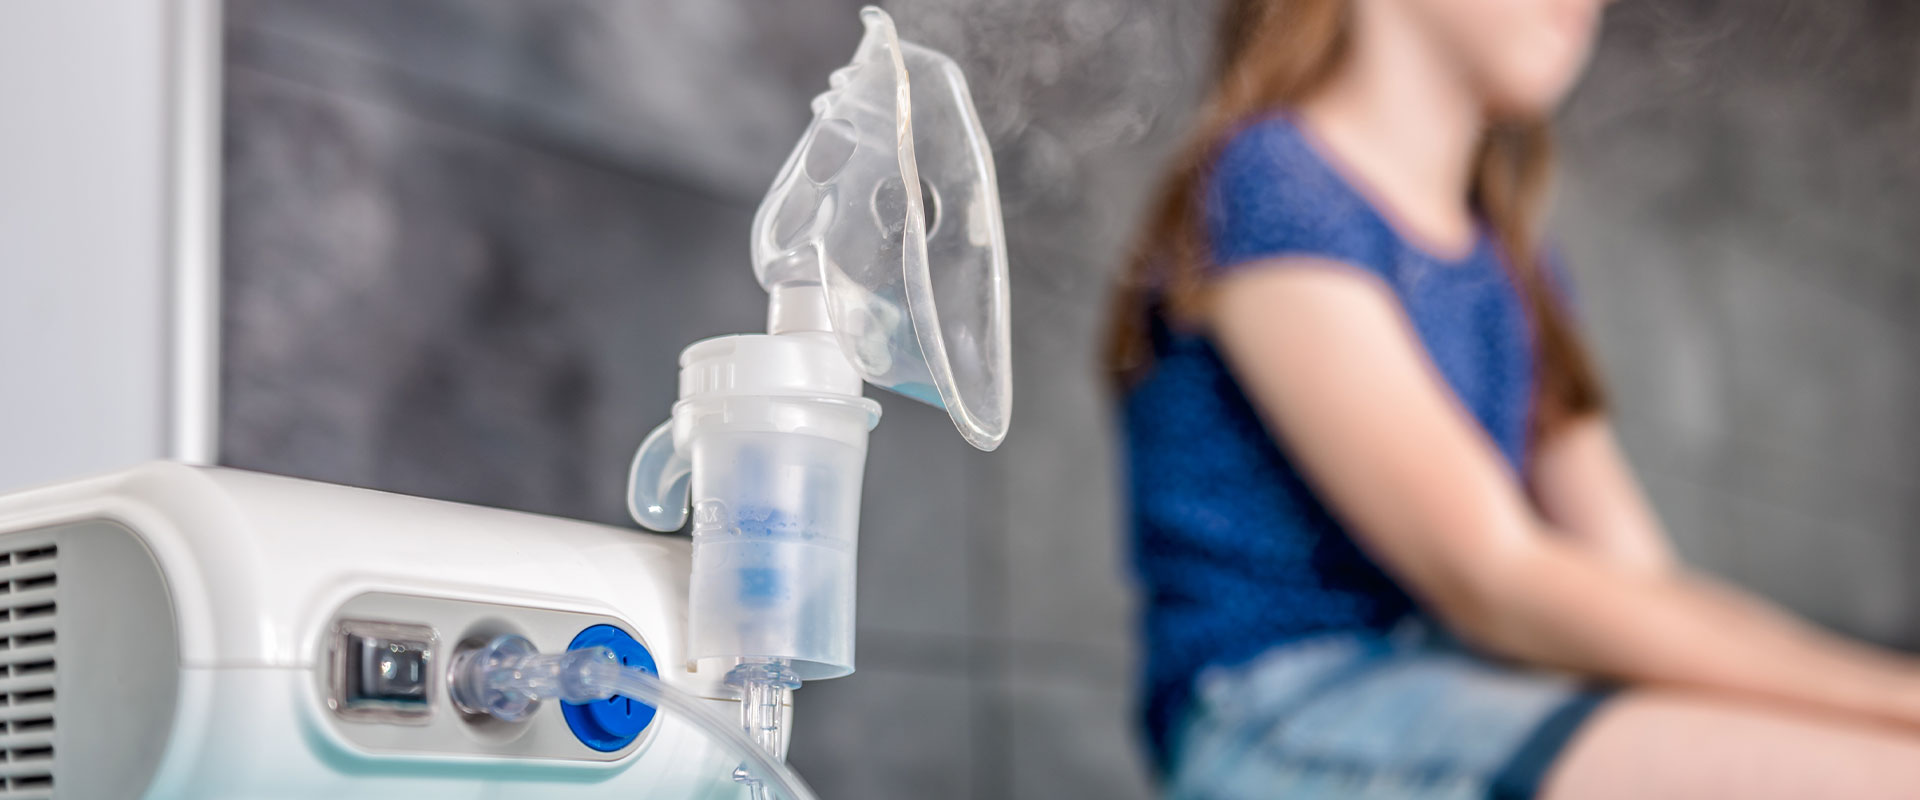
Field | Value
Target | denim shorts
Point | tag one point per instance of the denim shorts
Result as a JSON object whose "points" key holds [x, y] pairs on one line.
{"points": [[1406, 714]]}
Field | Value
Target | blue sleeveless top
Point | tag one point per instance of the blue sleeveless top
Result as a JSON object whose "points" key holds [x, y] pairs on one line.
{"points": [[1234, 551]]}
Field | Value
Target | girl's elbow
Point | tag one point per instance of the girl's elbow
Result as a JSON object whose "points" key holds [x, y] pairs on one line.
{"points": [[1472, 614], [1481, 606]]}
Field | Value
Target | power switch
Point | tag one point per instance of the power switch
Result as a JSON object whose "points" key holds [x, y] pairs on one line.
{"points": [[382, 671]]}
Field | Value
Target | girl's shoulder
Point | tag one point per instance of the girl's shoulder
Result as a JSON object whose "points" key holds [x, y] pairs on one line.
{"points": [[1270, 194], [1270, 152]]}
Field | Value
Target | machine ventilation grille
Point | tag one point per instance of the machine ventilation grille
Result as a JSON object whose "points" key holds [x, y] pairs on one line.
{"points": [[28, 579]]}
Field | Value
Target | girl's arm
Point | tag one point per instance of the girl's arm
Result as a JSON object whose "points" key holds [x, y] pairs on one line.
{"points": [[1329, 358], [1584, 487]]}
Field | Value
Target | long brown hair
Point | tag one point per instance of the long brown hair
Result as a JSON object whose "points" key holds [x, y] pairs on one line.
{"points": [[1275, 53]]}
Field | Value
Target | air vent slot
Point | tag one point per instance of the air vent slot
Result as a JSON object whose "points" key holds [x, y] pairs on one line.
{"points": [[29, 578]]}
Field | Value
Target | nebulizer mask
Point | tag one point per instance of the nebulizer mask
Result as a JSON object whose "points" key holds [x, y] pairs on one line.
{"points": [[881, 249]]}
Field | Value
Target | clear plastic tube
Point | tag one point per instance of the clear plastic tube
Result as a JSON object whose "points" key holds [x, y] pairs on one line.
{"points": [[507, 676]]}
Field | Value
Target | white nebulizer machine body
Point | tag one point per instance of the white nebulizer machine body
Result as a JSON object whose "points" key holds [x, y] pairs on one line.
{"points": [[185, 632], [212, 634]]}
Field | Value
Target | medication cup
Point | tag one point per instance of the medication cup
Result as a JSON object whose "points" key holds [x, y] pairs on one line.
{"points": [[768, 446]]}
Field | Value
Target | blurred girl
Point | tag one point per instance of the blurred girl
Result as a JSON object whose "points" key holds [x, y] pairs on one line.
{"points": [[1356, 402]]}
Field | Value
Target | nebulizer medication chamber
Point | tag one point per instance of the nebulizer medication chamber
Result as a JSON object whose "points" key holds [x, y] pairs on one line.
{"points": [[776, 500], [881, 249]]}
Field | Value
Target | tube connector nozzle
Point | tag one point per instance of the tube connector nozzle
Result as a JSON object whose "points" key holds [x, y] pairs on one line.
{"points": [[507, 678], [766, 687]]}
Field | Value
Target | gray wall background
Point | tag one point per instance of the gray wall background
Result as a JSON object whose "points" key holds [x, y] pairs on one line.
{"points": [[465, 240], [1742, 210]]}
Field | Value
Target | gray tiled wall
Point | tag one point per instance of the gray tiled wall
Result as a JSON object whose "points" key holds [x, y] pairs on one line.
{"points": [[1742, 212], [466, 239]]}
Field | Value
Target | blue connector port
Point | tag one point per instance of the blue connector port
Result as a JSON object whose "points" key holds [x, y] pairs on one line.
{"points": [[610, 724]]}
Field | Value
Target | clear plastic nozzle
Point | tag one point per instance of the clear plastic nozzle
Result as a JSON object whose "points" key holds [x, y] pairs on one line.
{"points": [[766, 686]]}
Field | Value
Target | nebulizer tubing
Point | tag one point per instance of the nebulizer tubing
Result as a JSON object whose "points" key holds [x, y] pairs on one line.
{"points": [[508, 677]]}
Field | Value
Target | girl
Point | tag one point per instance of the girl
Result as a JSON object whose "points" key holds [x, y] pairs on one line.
{"points": [[1388, 544]]}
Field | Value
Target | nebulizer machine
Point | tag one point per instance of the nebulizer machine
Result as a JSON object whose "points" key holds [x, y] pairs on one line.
{"points": [[174, 631]]}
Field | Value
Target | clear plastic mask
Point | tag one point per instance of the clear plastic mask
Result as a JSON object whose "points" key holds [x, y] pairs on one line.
{"points": [[889, 202]]}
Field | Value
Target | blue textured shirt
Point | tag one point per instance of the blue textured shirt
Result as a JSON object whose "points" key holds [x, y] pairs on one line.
{"points": [[1235, 552]]}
